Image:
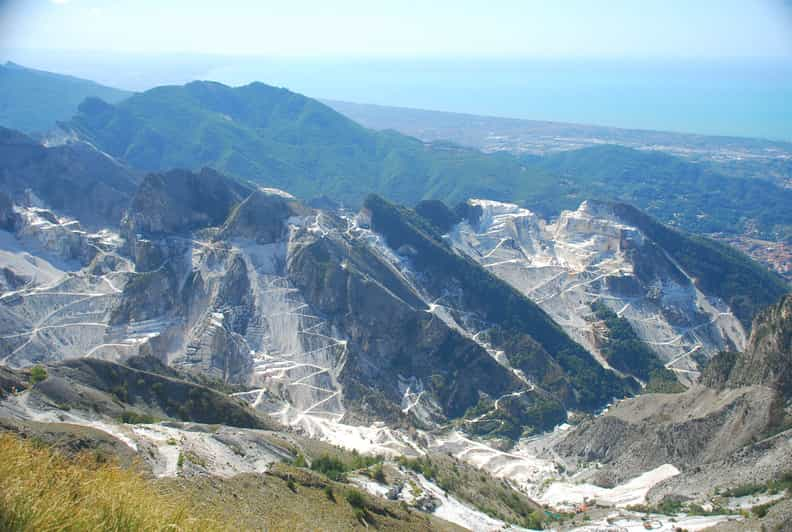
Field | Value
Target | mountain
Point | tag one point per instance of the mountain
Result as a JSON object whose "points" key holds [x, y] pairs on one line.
{"points": [[692, 196], [207, 254], [285, 140], [276, 137], [767, 359], [696, 182], [221, 329], [33, 101], [730, 433], [479, 363], [611, 284], [282, 139], [74, 179]]}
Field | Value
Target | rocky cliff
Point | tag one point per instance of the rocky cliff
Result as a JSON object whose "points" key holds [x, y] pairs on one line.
{"points": [[593, 257]]}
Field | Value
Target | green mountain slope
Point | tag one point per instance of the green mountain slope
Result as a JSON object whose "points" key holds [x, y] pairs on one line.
{"points": [[533, 337], [717, 269], [274, 136], [689, 195], [33, 101]]}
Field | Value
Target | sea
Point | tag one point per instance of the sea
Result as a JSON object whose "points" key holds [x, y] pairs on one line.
{"points": [[748, 97], [741, 97]]}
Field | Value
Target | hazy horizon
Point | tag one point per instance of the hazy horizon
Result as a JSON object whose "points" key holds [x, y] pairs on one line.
{"points": [[709, 67]]}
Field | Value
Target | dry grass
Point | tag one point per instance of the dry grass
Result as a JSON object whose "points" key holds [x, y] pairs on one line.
{"points": [[43, 490]]}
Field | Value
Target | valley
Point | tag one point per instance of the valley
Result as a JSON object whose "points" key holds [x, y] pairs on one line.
{"points": [[257, 304]]}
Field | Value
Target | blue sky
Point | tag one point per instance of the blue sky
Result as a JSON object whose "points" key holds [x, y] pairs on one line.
{"points": [[383, 28]]}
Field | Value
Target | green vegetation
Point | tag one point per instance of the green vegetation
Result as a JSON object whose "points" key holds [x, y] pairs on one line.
{"points": [[135, 418], [438, 214], [42, 490], [335, 468], [662, 380], [421, 465], [688, 195], [33, 101], [760, 510], [175, 397], [37, 374], [359, 504], [717, 269], [355, 498], [777, 485], [718, 369], [378, 474], [478, 489], [673, 506], [622, 348], [497, 302], [286, 140], [515, 417], [331, 467]]}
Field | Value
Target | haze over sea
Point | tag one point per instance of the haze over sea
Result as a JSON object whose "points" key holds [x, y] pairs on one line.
{"points": [[745, 97], [751, 98]]}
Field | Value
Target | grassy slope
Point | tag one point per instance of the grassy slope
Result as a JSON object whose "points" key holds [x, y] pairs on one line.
{"points": [[42, 490], [33, 100], [271, 502]]}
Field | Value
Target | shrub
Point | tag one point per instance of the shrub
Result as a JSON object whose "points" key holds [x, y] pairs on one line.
{"points": [[37, 374], [133, 418], [331, 467], [300, 461], [761, 510], [378, 474], [355, 499]]}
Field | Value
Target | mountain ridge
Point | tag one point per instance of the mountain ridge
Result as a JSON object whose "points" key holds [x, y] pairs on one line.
{"points": [[35, 100]]}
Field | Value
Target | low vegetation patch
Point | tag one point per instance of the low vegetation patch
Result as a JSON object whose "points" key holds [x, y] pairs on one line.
{"points": [[782, 483], [37, 374], [134, 418], [336, 468], [43, 490], [489, 495], [332, 468]]}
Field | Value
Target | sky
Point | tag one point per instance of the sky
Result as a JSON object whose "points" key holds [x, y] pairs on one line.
{"points": [[701, 66], [406, 28]]}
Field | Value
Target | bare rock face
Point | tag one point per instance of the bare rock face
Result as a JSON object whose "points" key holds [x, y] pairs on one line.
{"points": [[391, 334], [8, 217], [180, 201], [73, 179], [261, 217], [768, 358], [590, 256], [687, 430], [741, 401]]}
